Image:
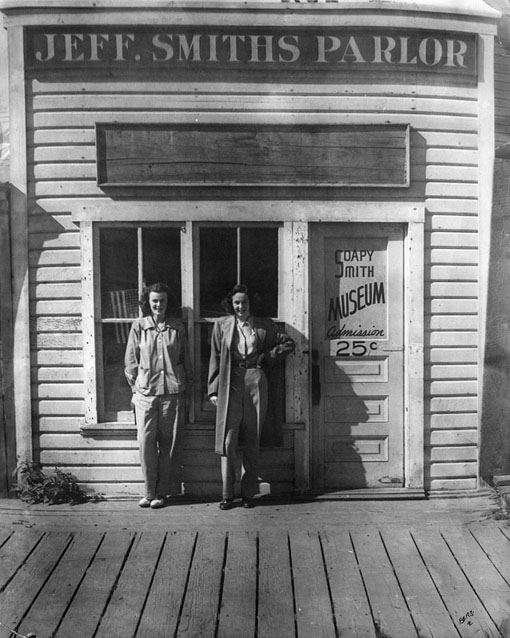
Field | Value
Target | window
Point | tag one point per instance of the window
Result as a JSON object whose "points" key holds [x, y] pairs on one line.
{"points": [[130, 258], [230, 255], [238, 255], [133, 256]]}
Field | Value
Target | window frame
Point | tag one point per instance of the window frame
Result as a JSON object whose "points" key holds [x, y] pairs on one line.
{"points": [[92, 321], [201, 416]]}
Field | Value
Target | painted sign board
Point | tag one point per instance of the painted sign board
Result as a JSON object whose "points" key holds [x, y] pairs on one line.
{"points": [[171, 47], [357, 292]]}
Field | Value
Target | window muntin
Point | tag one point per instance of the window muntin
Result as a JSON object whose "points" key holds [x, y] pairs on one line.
{"points": [[232, 255]]}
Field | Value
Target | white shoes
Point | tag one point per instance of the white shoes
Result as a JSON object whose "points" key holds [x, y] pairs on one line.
{"points": [[154, 503]]}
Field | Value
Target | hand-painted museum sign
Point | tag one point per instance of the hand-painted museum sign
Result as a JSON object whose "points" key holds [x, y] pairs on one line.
{"points": [[356, 289], [171, 47]]}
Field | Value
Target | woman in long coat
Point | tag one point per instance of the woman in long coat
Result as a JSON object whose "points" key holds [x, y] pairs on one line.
{"points": [[243, 349]]}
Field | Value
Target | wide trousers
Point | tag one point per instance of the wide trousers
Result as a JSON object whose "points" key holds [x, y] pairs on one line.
{"points": [[160, 430], [247, 408]]}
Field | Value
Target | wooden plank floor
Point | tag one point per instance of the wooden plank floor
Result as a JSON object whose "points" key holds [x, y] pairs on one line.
{"points": [[364, 581]]}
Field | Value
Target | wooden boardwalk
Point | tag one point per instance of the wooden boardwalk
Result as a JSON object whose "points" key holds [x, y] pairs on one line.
{"points": [[319, 580]]}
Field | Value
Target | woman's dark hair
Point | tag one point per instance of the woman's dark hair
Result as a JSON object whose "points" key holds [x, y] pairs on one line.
{"points": [[172, 309], [254, 299]]}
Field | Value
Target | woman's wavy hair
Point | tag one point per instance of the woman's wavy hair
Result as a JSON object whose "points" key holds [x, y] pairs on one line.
{"points": [[172, 309], [254, 299]]}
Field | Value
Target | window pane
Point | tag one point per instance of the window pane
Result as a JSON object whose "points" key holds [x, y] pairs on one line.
{"points": [[259, 268], [218, 268], [117, 393], [119, 272], [162, 258]]}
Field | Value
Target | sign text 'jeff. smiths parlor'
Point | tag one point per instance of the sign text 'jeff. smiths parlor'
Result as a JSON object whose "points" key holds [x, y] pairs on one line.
{"points": [[328, 49]]}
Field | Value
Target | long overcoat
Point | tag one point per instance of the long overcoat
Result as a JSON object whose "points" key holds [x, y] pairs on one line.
{"points": [[275, 345]]}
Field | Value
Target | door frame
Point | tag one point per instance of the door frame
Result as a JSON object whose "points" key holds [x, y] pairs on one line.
{"points": [[414, 306]]}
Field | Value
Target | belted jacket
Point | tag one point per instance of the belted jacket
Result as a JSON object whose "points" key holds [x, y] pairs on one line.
{"points": [[273, 346]]}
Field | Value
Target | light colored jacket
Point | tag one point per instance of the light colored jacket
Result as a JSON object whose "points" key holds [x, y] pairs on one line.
{"points": [[158, 362]]}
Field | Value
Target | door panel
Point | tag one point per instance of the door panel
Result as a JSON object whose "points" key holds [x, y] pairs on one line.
{"points": [[358, 344]]}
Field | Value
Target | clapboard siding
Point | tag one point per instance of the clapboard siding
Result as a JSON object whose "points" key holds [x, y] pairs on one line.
{"points": [[115, 457], [451, 355], [40, 222], [455, 273], [434, 143], [453, 453], [56, 340], [444, 172], [56, 307], [67, 290], [58, 374], [178, 87], [502, 92], [61, 424], [450, 422], [451, 306], [55, 273], [452, 371], [96, 463], [90, 189], [459, 437], [59, 408], [450, 322], [460, 222], [423, 121], [452, 239], [46, 257], [59, 390]]}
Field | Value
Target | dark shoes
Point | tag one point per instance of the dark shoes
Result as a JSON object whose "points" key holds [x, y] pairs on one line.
{"points": [[227, 504]]}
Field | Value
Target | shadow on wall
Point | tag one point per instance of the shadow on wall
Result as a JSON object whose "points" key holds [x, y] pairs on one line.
{"points": [[47, 331], [495, 426]]}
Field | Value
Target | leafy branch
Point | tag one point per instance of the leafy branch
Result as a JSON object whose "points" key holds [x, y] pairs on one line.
{"points": [[34, 486]]}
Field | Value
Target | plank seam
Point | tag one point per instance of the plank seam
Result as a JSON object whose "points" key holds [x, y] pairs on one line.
{"points": [[435, 584], [222, 583], [469, 581], [114, 586]]}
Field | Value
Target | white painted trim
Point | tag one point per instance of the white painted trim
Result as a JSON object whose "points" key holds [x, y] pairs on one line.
{"points": [[406, 14], [466, 7], [486, 151], [414, 422], [294, 310], [88, 267], [189, 299], [243, 210], [19, 235]]}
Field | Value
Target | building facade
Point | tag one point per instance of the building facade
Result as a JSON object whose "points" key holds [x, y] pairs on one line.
{"points": [[336, 157]]}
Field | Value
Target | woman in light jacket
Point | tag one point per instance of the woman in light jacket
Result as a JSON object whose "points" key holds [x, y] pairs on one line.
{"points": [[243, 349], [158, 369]]}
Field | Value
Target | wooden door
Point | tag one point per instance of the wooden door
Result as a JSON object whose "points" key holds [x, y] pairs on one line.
{"points": [[357, 301]]}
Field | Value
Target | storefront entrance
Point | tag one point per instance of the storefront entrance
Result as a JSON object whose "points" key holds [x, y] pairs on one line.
{"points": [[357, 301]]}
